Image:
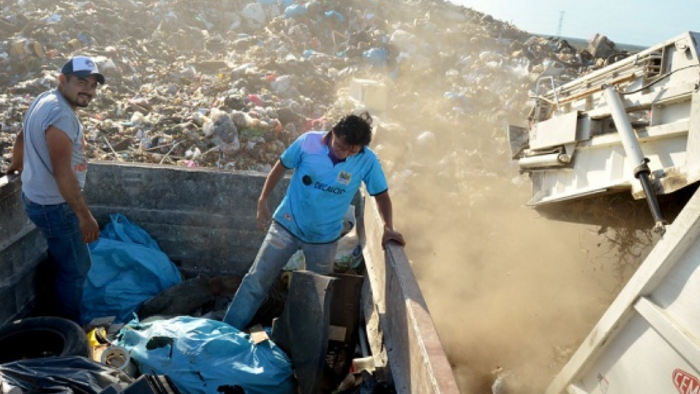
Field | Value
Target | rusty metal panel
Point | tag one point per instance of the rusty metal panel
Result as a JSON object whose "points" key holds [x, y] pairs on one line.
{"points": [[417, 359]]}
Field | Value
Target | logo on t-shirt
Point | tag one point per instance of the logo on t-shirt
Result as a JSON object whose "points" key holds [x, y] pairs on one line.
{"points": [[344, 178]]}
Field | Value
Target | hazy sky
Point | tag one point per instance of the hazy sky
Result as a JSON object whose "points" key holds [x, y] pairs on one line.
{"points": [[636, 22]]}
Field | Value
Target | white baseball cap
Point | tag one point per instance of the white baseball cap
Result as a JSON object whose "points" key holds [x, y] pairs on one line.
{"points": [[82, 66]]}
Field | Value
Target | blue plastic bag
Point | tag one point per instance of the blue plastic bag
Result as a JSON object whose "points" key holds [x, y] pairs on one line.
{"points": [[294, 11], [376, 56], [335, 14], [121, 229], [204, 356], [128, 268]]}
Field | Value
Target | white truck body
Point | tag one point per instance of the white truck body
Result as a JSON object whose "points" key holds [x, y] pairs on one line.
{"points": [[633, 126], [648, 341], [572, 147]]}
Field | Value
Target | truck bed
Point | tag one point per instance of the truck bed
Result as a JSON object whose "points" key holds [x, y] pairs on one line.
{"points": [[204, 220]]}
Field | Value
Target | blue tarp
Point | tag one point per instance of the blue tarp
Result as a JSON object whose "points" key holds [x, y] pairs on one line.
{"points": [[206, 356], [128, 268]]}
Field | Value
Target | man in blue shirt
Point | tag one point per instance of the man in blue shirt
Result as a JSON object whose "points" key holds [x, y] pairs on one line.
{"points": [[329, 168]]}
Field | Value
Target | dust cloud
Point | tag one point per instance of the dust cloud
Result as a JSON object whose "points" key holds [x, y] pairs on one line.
{"points": [[512, 293]]}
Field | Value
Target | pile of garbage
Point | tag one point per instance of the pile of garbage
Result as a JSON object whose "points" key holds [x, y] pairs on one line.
{"points": [[230, 84]]}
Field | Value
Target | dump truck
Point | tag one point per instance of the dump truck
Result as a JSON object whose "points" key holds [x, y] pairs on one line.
{"points": [[631, 127], [629, 131], [204, 220]]}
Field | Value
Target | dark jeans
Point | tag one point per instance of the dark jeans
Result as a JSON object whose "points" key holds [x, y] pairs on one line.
{"points": [[70, 255]]}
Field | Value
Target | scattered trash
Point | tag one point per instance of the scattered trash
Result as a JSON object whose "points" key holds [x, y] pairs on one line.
{"points": [[118, 358], [171, 66]]}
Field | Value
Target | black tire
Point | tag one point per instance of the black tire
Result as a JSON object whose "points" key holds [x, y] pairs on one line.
{"points": [[40, 337]]}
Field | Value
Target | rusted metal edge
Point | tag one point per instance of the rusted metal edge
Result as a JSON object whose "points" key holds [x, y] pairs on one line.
{"points": [[418, 361]]}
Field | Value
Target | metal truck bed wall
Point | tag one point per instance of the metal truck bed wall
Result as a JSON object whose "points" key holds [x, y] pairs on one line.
{"points": [[648, 341], [205, 221], [22, 248]]}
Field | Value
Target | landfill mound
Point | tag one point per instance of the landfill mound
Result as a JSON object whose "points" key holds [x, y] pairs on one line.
{"points": [[229, 84]]}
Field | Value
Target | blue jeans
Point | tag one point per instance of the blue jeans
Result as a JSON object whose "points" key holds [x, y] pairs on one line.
{"points": [[69, 254], [279, 245]]}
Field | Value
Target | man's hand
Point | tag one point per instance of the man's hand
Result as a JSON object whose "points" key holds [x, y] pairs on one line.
{"points": [[392, 235], [17, 155], [385, 210], [89, 228], [14, 169], [263, 215]]}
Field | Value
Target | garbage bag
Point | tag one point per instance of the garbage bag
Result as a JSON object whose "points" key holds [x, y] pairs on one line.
{"points": [[121, 229], [207, 356], [349, 252], [376, 56], [128, 268], [294, 11], [59, 375], [254, 13], [335, 14]]}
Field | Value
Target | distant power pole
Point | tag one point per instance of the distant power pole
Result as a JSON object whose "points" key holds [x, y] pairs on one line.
{"points": [[561, 20]]}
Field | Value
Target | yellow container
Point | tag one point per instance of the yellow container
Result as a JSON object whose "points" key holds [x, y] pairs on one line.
{"points": [[92, 337]]}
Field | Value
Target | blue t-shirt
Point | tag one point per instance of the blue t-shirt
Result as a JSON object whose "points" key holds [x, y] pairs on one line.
{"points": [[319, 192]]}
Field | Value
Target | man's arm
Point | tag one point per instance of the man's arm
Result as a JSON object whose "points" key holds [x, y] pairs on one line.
{"points": [[60, 152], [17, 154], [386, 211], [273, 178]]}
